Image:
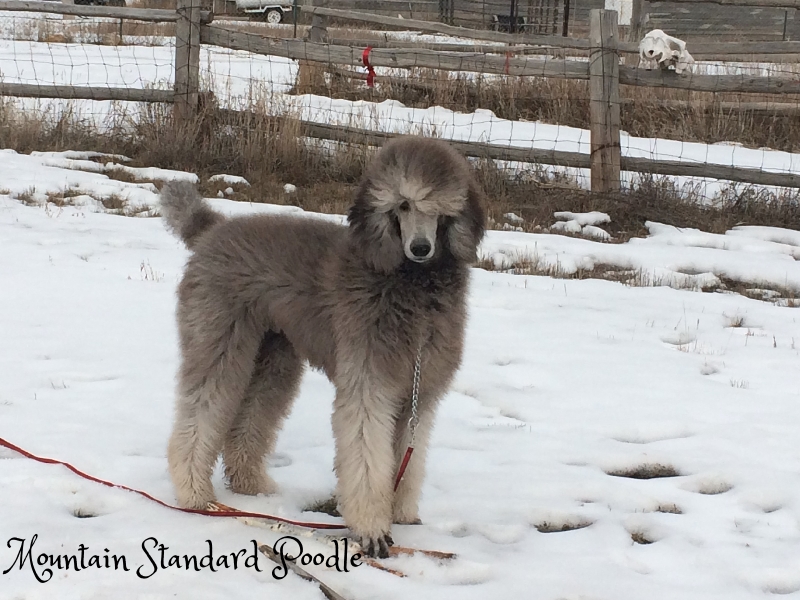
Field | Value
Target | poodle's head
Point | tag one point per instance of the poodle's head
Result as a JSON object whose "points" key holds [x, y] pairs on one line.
{"points": [[418, 201]]}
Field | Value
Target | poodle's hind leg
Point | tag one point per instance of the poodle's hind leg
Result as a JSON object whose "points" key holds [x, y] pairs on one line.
{"points": [[266, 404], [218, 358]]}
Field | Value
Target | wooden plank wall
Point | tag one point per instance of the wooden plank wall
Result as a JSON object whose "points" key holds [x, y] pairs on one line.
{"points": [[700, 21], [703, 21], [720, 23]]}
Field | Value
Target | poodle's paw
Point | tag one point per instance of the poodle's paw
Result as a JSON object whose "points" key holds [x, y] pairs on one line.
{"points": [[406, 515], [252, 485], [195, 499], [375, 546], [407, 521]]}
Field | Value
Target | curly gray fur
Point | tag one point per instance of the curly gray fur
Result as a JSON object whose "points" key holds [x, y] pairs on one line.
{"points": [[185, 212], [263, 294]]}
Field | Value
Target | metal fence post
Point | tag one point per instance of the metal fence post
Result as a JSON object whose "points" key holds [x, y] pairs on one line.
{"points": [[604, 110]]}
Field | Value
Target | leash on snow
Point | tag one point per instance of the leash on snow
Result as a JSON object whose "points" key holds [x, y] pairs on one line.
{"points": [[231, 512], [228, 512], [220, 510]]}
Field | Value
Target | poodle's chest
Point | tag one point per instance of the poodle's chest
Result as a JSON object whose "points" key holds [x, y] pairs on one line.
{"points": [[401, 305]]}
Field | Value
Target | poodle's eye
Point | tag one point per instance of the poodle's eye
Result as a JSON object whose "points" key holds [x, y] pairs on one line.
{"points": [[404, 207]]}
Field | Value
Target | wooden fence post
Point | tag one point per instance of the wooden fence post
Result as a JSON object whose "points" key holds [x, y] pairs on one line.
{"points": [[310, 74], [604, 101], [639, 16], [187, 59], [68, 17]]}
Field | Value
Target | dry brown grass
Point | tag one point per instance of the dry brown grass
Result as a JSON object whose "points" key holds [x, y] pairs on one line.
{"points": [[669, 508], [646, 471], [329, 506], [270, 151], [28, 197], [559, 527], [112, 204], [535, 197], [104, 33], [640, 537], [533, 264], [557, 101]]}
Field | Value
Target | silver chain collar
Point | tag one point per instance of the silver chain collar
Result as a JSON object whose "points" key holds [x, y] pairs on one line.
{"points": [[414, 420]]}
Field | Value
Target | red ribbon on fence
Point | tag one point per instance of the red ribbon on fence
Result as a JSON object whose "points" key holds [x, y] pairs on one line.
{"points": [[370, 70]]}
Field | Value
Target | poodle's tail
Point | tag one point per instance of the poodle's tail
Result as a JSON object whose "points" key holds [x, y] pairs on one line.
{"points": [[185, 212]]}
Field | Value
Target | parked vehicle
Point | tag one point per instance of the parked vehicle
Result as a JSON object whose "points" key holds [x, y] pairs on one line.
{"points": [[271, 12]]}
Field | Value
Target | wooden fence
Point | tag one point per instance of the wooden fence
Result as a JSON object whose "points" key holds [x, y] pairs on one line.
{"points": [[603, 70]]}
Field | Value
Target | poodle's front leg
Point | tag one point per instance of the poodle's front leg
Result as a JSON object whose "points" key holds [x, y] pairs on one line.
{"points": [[364, 418], [406, 499]]}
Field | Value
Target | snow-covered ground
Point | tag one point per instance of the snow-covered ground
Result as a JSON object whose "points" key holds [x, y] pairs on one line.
{"points": [[761, 257], [563, 382]]}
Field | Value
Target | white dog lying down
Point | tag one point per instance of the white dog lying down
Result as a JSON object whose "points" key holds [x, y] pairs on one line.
{"points": [[662, 50]]}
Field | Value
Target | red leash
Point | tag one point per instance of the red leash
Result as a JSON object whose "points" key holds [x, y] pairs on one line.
{"points": [[403, 465], [197, 511]]}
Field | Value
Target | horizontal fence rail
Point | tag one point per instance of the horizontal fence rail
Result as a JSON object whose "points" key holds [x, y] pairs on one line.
{"points": [[155, 15], [76, 92], [432, 27], [558, 158], [745, 84], [488, 64], [767, 109], [393, 57]]}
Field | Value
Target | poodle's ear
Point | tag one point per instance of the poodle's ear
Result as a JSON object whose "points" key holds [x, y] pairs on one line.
{"points": [[377, 235], [467, 228]]}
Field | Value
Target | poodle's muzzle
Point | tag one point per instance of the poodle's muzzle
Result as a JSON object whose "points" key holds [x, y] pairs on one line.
{"points": [[418, 233]]}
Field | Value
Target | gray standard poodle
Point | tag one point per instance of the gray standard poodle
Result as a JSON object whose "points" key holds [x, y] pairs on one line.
{"points": [[261, 294]]}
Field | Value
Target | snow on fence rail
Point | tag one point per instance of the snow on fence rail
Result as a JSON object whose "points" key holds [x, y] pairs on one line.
{"points": [[603, 71]]}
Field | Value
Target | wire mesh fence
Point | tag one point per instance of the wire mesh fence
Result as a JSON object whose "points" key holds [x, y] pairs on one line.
{"points": [[525, 106]]}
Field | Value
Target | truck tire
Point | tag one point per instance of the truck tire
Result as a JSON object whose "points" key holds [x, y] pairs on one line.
{"points": [[273, 16]]}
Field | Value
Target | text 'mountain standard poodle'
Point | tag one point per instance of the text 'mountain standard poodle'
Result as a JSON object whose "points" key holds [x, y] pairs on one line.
{"points": [[261, 294]]}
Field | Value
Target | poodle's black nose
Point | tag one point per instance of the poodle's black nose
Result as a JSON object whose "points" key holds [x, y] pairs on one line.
{"points": [[420, 248]]}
